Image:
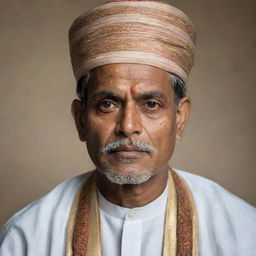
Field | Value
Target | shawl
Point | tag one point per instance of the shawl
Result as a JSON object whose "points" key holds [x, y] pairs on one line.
{"points": [[180, 228]]}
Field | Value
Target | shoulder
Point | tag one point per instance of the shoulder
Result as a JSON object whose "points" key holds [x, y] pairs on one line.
{"points": [[224, 219], [48, 212], [207, 189]]}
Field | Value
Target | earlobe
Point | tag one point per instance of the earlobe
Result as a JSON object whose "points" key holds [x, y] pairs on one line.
{"points": [[77, 113], [183, 110]]}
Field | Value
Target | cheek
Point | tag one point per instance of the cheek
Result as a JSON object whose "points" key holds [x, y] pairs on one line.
{"points": [[98, 131], [162, 134]]}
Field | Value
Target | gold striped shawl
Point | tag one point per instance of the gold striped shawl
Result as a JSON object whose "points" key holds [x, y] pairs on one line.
{"points": [[180, 230]]}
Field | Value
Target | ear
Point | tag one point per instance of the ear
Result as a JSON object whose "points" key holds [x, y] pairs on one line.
{"points": [[77, 113], [183, 110]]}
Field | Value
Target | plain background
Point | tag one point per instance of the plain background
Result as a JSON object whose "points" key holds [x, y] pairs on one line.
{"points": [[39, 144]]}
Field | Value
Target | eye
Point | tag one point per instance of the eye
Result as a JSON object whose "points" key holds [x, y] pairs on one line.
{"points": [[152, 104], [106, 105]]}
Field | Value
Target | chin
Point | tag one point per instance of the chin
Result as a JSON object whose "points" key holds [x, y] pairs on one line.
{"points": [[128, 176]]}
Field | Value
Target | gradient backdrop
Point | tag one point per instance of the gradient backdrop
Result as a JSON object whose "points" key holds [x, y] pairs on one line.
{"points": [[39, 144]]}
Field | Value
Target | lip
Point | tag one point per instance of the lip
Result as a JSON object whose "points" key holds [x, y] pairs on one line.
{"points": [[129, 152], [126, 148]]}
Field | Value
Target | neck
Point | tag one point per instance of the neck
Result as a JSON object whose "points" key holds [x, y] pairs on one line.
{"points": [[131, 196]]}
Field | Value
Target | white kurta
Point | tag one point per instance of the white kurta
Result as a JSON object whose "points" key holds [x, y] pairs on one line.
{"points": [[136, 232], [227, 224]]}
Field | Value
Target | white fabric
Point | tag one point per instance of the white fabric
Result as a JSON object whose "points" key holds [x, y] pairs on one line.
{"points": [[227, 224], [136, 232]]}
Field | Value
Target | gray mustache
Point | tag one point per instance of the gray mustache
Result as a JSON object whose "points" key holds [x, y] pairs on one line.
{"points": [[136, 143]]}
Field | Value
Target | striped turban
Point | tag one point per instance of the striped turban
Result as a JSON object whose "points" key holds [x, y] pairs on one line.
{"points": [[143, 32]]}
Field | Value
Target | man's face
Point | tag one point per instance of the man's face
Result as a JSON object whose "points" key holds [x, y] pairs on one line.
{"points": [[129, 123]]}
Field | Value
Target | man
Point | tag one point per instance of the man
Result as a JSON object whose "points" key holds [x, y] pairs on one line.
{"points": [[131, 60]]}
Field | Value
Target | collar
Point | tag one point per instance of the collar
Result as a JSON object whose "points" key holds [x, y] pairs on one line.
{"points": [[151, 210]]}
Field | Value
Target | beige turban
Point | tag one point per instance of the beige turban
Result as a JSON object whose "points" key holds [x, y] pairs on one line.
{"points": [[143, 32]]}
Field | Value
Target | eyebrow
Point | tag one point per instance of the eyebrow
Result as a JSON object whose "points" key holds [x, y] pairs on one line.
{"points": [[106, 94], [118, 97], [151, 95]]}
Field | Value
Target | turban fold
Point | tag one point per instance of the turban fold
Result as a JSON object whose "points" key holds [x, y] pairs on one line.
{"points": [[143, 32]]}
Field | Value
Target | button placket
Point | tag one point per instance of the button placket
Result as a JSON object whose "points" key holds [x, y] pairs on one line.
{"points": [[131, 214], [131, 235]]}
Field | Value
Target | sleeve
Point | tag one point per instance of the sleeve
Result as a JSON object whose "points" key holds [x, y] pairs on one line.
{"points": [[12, 241]]}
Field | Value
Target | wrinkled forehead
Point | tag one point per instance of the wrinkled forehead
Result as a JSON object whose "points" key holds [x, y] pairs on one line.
{"points": [[129, 77]]}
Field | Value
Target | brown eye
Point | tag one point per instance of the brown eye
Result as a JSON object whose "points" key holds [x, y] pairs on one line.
{"points": [[106, 105], [152, 104]]}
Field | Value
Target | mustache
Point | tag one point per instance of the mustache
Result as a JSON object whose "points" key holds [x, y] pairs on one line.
{"points": [[139, 145]]}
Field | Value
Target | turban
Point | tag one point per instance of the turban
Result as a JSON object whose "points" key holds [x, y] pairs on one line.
{"points": [[143, 32]]}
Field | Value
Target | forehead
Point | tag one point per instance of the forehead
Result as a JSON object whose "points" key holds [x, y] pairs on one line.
{"points": [[130, 77]]}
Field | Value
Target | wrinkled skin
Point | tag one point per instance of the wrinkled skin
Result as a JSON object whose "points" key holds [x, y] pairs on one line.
{"points": [[131, 101]]}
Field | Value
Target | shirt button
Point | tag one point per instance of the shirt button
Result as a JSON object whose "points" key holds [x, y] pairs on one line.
{"points": [[131, 214]]}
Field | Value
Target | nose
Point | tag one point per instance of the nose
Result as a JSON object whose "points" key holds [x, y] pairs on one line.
{"points": [[129, 122]]}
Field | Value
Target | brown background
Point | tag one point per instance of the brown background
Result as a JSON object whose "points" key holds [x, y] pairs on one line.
{"points": [[39, 144]]}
